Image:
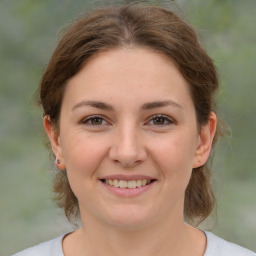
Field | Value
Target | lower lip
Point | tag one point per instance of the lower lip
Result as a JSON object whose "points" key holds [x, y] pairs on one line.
{"points": [[128, 192]]}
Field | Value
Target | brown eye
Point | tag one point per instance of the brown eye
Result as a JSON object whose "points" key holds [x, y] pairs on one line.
{"points": [[94, 120], [161, 120]]}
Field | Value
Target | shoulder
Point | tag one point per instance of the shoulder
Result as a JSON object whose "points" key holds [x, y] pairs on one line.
{"points": [[217, 246], [49, 248]]}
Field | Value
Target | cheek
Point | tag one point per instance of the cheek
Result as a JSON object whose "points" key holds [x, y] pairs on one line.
{"points": [[175, 155], [83, 154]]}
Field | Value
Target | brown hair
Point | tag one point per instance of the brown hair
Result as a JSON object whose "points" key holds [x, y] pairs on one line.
{"points": [[131, 25]]}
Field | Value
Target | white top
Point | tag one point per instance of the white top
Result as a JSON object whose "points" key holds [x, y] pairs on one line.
{"points": [[216, 246]]}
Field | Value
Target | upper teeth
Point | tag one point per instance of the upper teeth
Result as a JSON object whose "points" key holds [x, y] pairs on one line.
{"points": [[127, 183]]}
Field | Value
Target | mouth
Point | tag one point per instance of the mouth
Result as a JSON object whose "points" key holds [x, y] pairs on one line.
{"points": [[131, 184]]}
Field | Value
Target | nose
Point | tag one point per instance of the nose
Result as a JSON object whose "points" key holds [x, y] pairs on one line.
{"points": [[127, 147]]}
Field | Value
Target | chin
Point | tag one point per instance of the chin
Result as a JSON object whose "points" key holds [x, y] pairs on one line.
{"points": [[130, 218]]}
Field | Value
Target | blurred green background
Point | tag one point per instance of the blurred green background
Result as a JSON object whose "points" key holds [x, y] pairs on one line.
{"points": [[28, 35]]}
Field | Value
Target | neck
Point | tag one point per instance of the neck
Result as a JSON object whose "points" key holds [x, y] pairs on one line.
{"points": [[167, 237], [147, 241]]}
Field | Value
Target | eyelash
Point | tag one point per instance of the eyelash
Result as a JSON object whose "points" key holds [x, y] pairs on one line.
{"points": [[164, 117]]}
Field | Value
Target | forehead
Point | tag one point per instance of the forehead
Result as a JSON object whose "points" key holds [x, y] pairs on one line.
{"points": [[128, 75]]}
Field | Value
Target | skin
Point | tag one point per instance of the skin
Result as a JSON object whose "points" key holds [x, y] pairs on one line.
{"points": [[130, 140]]}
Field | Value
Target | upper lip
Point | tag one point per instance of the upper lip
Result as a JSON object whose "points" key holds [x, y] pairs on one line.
{"points": [[127, 177]]}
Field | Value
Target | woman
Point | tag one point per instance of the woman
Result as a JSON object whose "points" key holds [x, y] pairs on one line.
{"points": [[128, 99]]}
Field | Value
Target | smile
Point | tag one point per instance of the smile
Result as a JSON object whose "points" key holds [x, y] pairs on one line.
{"points": [[127, 184]]}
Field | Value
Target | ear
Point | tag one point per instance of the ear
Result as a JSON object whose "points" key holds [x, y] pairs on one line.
{"points": [[54, 138], [205, 139]]}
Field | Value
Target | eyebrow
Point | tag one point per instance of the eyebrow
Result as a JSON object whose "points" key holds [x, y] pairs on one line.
{"points": [[158, 104], [95, 104], [146, 106]]}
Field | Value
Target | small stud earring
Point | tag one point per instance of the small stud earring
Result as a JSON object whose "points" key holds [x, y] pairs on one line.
{"points": [[57, 162]]}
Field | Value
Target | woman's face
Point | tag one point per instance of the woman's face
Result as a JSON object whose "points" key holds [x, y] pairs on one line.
{"points": [[127, 119]]}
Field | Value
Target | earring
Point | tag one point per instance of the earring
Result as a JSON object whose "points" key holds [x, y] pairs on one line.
{"points": [[57, 163]]}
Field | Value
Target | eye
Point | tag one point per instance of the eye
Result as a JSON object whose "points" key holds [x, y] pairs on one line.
{"points": [[160, 120], [94, 120]]}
